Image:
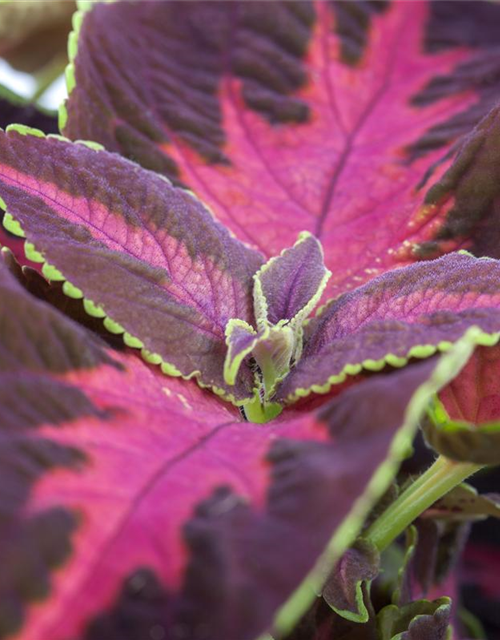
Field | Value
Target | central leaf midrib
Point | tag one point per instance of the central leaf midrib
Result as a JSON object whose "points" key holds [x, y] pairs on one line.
{"points": [[42, 196], [341, 163], [158, 474]]}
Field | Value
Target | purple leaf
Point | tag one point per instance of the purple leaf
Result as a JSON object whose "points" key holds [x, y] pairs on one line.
{"points": [[333, 117], [464, 503], [409, 312], [134, 502], [344, 589], [288, 287], [419, 620], [148, 254]]}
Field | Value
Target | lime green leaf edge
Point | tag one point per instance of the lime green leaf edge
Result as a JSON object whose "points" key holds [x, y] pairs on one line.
{"points": [[232, 363], [418, 351], [361, 615], [260, 302], [53, 274], [83, 7], [446, 369]]}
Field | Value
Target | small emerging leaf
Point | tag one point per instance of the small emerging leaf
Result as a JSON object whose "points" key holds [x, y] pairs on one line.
{"points": [[410, 312], [420, 620], [348, 585], [288, 287]]}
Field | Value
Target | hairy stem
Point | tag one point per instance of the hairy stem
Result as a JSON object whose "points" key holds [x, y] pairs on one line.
{"points": [[432, 485]]}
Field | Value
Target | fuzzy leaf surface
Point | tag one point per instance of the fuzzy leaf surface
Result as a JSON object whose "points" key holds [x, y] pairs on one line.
{"points": [[332, 117], [408, 312], [288, 286], [132, 501], [148, 253]]}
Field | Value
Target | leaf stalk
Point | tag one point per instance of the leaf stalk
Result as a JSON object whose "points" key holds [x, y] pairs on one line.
{"points": [[433, 484]]}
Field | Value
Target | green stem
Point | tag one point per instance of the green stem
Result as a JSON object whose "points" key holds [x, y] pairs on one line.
{"points": [[432, 485], [261, 413]]}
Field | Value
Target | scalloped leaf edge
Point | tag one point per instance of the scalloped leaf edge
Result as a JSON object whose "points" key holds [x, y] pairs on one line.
{"points": [[421, 351], [69, 289], [82, 8]]}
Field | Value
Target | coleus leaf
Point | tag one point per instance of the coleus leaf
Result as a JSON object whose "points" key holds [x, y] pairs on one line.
{"points": [[419, 620], [278, 115], [289, 286], [347, 586], [286, 289], [13, 108], [409, 312], [463, 422], [134, 502], [173, 276], [465, 503]]}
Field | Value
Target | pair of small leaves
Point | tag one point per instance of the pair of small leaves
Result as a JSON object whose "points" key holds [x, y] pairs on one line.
{"points": [[420, 620], [286, 290], [347, 592], [175, 277]]}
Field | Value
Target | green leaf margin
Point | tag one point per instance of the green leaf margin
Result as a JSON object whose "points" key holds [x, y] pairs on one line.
{"points": [[447, 368], [52, 273]]}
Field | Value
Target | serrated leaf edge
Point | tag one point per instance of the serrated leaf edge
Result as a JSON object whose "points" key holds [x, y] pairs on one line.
{"points": [[421, 351], [70, 290]]}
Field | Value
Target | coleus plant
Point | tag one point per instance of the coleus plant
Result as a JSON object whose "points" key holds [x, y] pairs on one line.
{"points": [[202, 481]]}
